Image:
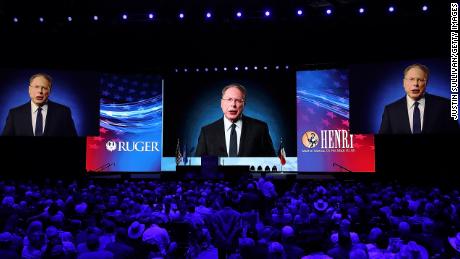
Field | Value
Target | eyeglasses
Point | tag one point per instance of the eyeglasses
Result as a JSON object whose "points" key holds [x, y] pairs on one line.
{"points": [[418, 80], [231, 100], [44, 88]]}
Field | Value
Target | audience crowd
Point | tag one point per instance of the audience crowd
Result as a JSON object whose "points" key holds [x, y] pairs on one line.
{"points": [[249, 218]]}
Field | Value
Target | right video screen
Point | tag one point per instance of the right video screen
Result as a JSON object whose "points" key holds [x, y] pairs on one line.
{"points": [[401, 97]]}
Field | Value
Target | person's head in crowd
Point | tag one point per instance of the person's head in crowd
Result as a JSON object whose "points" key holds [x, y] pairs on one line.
{"points": [[320, 205], [36, 239], [108, 226], [413, 250], [227, 201], [54, 242], [52, 232], [344, 239], [304, 210], [67, 237], [358, 253], [35, 226], [6, 238], [8, 201], [404, 230], [191, 208], [81, 208], [415, 80], [276, 250], [40, 88], [92, 242], [265, 234], [314, 219], [55, 251], [287, 234], [154, 250], [121, 234], [374, 234], [382, 241], [53, 209], [396, 210], [345, 225], [250, 187], [454, 243]]}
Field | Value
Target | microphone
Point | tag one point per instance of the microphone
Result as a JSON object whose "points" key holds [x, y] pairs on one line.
{"points": [[342, 167]]}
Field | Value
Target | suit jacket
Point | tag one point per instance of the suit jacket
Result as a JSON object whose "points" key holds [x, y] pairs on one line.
{"points": [[225, 226], [436, 118], [255, 139], [58, 121]]}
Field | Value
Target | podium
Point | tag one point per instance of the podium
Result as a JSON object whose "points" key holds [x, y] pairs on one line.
{"points": [[231, 172], [209, 169]]}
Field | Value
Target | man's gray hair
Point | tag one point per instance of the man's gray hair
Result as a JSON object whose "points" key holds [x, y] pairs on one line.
{"points": [[46, 76], [424, 68], [236, 85]]}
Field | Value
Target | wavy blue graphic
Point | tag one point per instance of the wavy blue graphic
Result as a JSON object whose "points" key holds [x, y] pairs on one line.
{"points": [[330, 102], [133, 117]]}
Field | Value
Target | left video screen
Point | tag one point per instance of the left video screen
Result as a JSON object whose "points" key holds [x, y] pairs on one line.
{"points": [[49, 103]]}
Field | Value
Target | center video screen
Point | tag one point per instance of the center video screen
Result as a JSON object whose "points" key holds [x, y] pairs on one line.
{"points": [[286, 120], [194, 106]]}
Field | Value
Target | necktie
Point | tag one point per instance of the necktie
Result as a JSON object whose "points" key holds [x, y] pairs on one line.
{"points": [[233, 142], [39, 123], [417, 128]]}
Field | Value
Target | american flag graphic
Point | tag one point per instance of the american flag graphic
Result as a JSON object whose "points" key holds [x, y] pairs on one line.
{"points": [[323, 104], [131, 108]]}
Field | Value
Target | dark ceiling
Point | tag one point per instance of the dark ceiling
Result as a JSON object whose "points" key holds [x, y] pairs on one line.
{"points": [[135, 43]]}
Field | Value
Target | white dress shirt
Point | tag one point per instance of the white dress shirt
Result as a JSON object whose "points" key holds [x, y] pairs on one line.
{"points": [[228, 130], [410, 111], [34, 111]]}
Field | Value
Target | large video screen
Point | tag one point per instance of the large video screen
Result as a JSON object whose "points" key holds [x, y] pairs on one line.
{"points": [[378, 101], [290, 121], [193, 101], [72, 102], [131, 109], [324, 142]]}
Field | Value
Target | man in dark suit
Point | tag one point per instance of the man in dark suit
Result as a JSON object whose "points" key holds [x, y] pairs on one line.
{"points": [[225, 228], [40, 116], [418, 111], [235, 134]]}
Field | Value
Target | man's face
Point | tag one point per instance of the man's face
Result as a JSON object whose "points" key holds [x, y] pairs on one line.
{"points": [[232, 103], [415, 83], [39, 90]]}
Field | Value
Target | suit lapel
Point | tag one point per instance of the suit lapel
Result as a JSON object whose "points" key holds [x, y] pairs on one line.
{"points": [[28, 122], [243, 136], [404, 116], [49, 118], [426, 116], [222, 145]]}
